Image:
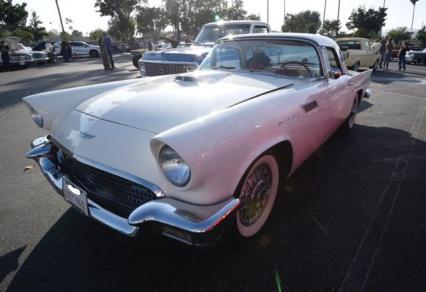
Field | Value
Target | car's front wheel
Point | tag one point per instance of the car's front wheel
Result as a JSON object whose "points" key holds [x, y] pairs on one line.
{"points": [[135, 60], [257, 195], [94, 54]]}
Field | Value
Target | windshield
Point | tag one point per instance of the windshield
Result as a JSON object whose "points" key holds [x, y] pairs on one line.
{"points": [[211, 33], [283, 57], [351, 45]]}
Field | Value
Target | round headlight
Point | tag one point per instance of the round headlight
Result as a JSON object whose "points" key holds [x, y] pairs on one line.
{"points": [[37, 118], [174, 167]]}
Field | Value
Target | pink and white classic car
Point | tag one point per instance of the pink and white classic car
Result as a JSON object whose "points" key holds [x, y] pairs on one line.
{"points": [[199, 153]]}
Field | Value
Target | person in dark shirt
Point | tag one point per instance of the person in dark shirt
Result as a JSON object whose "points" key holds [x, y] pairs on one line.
{"points": [[66, 51], [401, 56], [108, 47], [5, 56]]}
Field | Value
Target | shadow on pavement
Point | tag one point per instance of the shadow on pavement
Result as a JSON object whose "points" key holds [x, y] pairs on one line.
{"points": [[308, 243], [9, 262], [386, 77]]}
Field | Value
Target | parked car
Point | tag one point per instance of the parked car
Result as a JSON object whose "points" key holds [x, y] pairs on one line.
{"points": [[41, 46], [184, 59], [359, 52], [201, 152], [18, 58], [37, 57], [80, 49], [416, 57]]}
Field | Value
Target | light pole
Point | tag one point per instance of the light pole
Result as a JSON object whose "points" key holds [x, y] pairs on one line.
{"points": [[267, 11], [338, 11], [284, 12], [60, 17], [384, 6], [323, 16]]}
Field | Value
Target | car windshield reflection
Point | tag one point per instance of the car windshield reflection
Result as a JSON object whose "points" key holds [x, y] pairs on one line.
{"points": [[282, 57]]}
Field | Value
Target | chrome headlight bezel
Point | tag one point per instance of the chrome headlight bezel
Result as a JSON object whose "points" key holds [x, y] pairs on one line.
{"points": [[174, 168]]}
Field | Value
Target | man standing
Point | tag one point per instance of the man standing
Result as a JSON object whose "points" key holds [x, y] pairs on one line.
{"points": [[5, 57], [382, 51], [401, 56], [108, 47]]}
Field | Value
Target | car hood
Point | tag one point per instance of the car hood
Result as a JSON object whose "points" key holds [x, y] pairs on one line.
{"points": [[184, 54], [162, 103]]}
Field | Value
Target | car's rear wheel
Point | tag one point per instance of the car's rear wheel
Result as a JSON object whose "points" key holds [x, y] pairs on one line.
{"points": [[94, 54], [257, 195], [418, 61]]}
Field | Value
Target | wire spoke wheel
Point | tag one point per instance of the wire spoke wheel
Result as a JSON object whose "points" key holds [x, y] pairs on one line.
{"points": [[257, 195]]}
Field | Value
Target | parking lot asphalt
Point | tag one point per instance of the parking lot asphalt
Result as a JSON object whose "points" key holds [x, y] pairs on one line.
{"points": [[352, 218]]}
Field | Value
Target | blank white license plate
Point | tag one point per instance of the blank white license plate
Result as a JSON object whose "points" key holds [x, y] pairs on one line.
{"points": [[22, 63], [75, 196]]}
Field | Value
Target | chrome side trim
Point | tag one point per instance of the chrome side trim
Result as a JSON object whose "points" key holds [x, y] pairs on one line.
{"points": [[171, 212]]}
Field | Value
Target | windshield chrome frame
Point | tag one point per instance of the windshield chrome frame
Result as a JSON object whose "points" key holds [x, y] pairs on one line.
{"points": [[316, 47]]}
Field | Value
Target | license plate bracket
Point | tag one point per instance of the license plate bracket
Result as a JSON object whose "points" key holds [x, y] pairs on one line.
{"points": [[75, 196]]}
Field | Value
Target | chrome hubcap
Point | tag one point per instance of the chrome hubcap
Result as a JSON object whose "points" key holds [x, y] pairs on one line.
{"points": [[254, 194]]}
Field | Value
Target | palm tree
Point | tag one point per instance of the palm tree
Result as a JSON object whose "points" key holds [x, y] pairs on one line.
{"points": [[414, 9]]}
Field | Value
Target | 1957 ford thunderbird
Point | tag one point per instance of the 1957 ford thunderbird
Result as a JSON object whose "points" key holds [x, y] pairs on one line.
{"points": [[200, 153]]}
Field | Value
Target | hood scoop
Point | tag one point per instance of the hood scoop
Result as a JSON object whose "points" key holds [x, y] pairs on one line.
{"points": [[186, 78]]}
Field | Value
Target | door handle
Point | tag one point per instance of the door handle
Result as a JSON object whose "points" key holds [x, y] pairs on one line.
{"points": [[351, 83]]}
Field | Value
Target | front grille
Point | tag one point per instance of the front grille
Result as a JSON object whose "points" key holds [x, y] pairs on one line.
{"points": [[155, 69], [114, 193]]}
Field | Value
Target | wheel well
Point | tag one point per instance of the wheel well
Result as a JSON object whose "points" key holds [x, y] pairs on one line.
{"points": [[284, 154], [283, 151], [93, 51], [359, 93]]}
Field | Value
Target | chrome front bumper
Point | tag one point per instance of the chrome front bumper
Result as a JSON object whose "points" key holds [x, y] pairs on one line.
{"points": [[179, 220]]}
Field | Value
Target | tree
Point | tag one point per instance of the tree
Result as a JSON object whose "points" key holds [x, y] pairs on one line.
{"points": [[236, 11], [414, 9], [367, 23], [151, 19], [53, 34], [12, 16], [96, 34], [253, 17], [330, 28], [34, 27], [122, 22], [421, 36], [306, 21], [76, 35], [122, 27], [399, 34], [25, 35]]}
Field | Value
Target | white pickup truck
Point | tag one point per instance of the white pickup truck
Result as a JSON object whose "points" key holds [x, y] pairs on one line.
{"points": [[359, 52]]}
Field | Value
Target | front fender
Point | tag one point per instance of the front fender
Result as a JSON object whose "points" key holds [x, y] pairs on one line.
{"points": [[54, 105]]}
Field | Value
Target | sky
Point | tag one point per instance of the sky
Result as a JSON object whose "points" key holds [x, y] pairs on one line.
{"points": [[85, 18]]}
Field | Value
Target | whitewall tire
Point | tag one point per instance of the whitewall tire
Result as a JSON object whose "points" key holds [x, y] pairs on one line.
{"points": [[257, 194]]}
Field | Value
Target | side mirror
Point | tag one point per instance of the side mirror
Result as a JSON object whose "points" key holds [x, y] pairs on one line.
{"points": [[335, 74]]}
